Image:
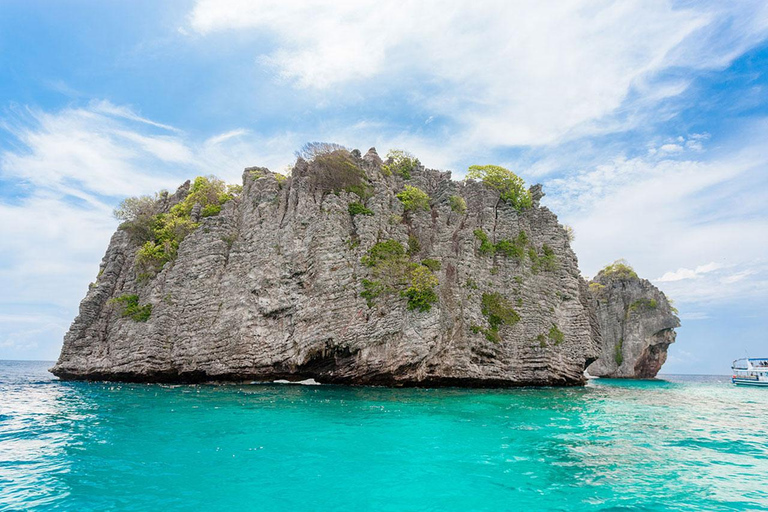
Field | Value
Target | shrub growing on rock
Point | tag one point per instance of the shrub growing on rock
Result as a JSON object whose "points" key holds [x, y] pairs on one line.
{"points": [[458, 204], [510, 185], [498, 310], [421, 292], [161, 233], [413, 199], [132, 309], [400, 162], [619, 269], [358, 209]]}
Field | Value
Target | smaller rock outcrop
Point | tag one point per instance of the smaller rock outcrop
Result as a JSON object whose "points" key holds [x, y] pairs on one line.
{"points": [[637, 324]]}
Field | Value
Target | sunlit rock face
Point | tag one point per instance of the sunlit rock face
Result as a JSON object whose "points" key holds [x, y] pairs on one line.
{"points": [[637, 324], [274, 287]]}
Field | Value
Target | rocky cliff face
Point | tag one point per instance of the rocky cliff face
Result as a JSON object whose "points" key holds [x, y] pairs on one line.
{"points": [[637, 324], [318, 277]]}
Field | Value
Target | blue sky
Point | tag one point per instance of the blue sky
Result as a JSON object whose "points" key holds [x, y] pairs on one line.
{"points": [[646, 122]]}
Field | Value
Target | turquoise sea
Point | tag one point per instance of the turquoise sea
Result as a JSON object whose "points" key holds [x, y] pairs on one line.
{"points": [[677, 443]]}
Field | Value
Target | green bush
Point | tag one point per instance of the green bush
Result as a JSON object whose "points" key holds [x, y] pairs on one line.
{"points": [[486, 247], [358, 209], [432, 264], [210, 210], [132, 309], [498, 310], [413, 245], [393, 271], [160, 234], [413, 199], [511, 187], [595, 287], [513, 248], [642, 303], [619, 269], [546, 261], [458, 204], [421, 290], [400, 162], [371, 290], [383, 251]]}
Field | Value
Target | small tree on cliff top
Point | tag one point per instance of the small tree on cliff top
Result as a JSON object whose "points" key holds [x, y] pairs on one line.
{"points": [[510, 185]]}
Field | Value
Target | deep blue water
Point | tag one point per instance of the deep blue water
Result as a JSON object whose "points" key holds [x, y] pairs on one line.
{"points": [[678, 443]]}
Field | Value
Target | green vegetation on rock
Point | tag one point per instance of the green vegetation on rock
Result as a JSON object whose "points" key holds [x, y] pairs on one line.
{"points": [[413, 199], [400, 162], [458, 204], [498, 310], [358, 209], [421, 290], [547, 260], [486, 247], [432, 264], [619, 269], [513, 248], [160, 234], [132, 309], [619, 353], [394, 272], [414, 246], [642, 303], [556, 335], [511, 187]]}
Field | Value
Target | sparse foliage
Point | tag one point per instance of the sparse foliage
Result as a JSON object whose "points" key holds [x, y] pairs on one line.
{"points": [[311, 150], [619, 269], [458, 204]]}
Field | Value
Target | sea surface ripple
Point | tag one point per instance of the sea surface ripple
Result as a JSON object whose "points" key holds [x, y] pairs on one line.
{"points": [[675, 443]]}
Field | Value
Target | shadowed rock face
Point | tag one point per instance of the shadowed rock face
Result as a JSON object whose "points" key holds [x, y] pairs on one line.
{"points": [[270, 288], [637, 325]]}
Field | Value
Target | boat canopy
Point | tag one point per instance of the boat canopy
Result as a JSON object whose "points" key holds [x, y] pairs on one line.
{"points": [[749, 363]]}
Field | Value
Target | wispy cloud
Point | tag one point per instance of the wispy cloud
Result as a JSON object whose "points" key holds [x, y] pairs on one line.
{"points": [[687, 273], [702, 218], [517, 73]]}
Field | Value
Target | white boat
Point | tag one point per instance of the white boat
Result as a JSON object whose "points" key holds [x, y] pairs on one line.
{"points": [[751, 371]]}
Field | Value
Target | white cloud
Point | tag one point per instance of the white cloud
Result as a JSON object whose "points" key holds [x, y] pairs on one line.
{"points": [[510, 73], [671, 148], [686, 273], [660, 213]]}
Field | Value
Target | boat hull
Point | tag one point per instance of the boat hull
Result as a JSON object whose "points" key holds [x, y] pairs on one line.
{"points": [[747, 382]]}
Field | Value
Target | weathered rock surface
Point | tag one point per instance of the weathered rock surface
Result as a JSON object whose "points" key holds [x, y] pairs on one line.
{"points": [[637, 325], [270, 288]]}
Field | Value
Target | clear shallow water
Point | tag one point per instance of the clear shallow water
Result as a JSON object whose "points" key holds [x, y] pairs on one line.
{"points": [[684, 443]]}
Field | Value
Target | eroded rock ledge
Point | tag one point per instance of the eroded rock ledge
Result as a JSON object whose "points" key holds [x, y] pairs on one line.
{"points": [[285, 282]]}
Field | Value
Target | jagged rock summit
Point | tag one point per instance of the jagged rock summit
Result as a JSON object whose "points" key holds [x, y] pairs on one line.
{"points": [[637, 324], [351, 270]]}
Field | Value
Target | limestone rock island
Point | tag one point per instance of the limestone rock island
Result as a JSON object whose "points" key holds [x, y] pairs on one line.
{"points": [[637, 324], [351, 270]]}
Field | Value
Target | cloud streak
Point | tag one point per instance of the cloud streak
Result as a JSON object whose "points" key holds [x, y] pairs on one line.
{"points": [[507, 73]]}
